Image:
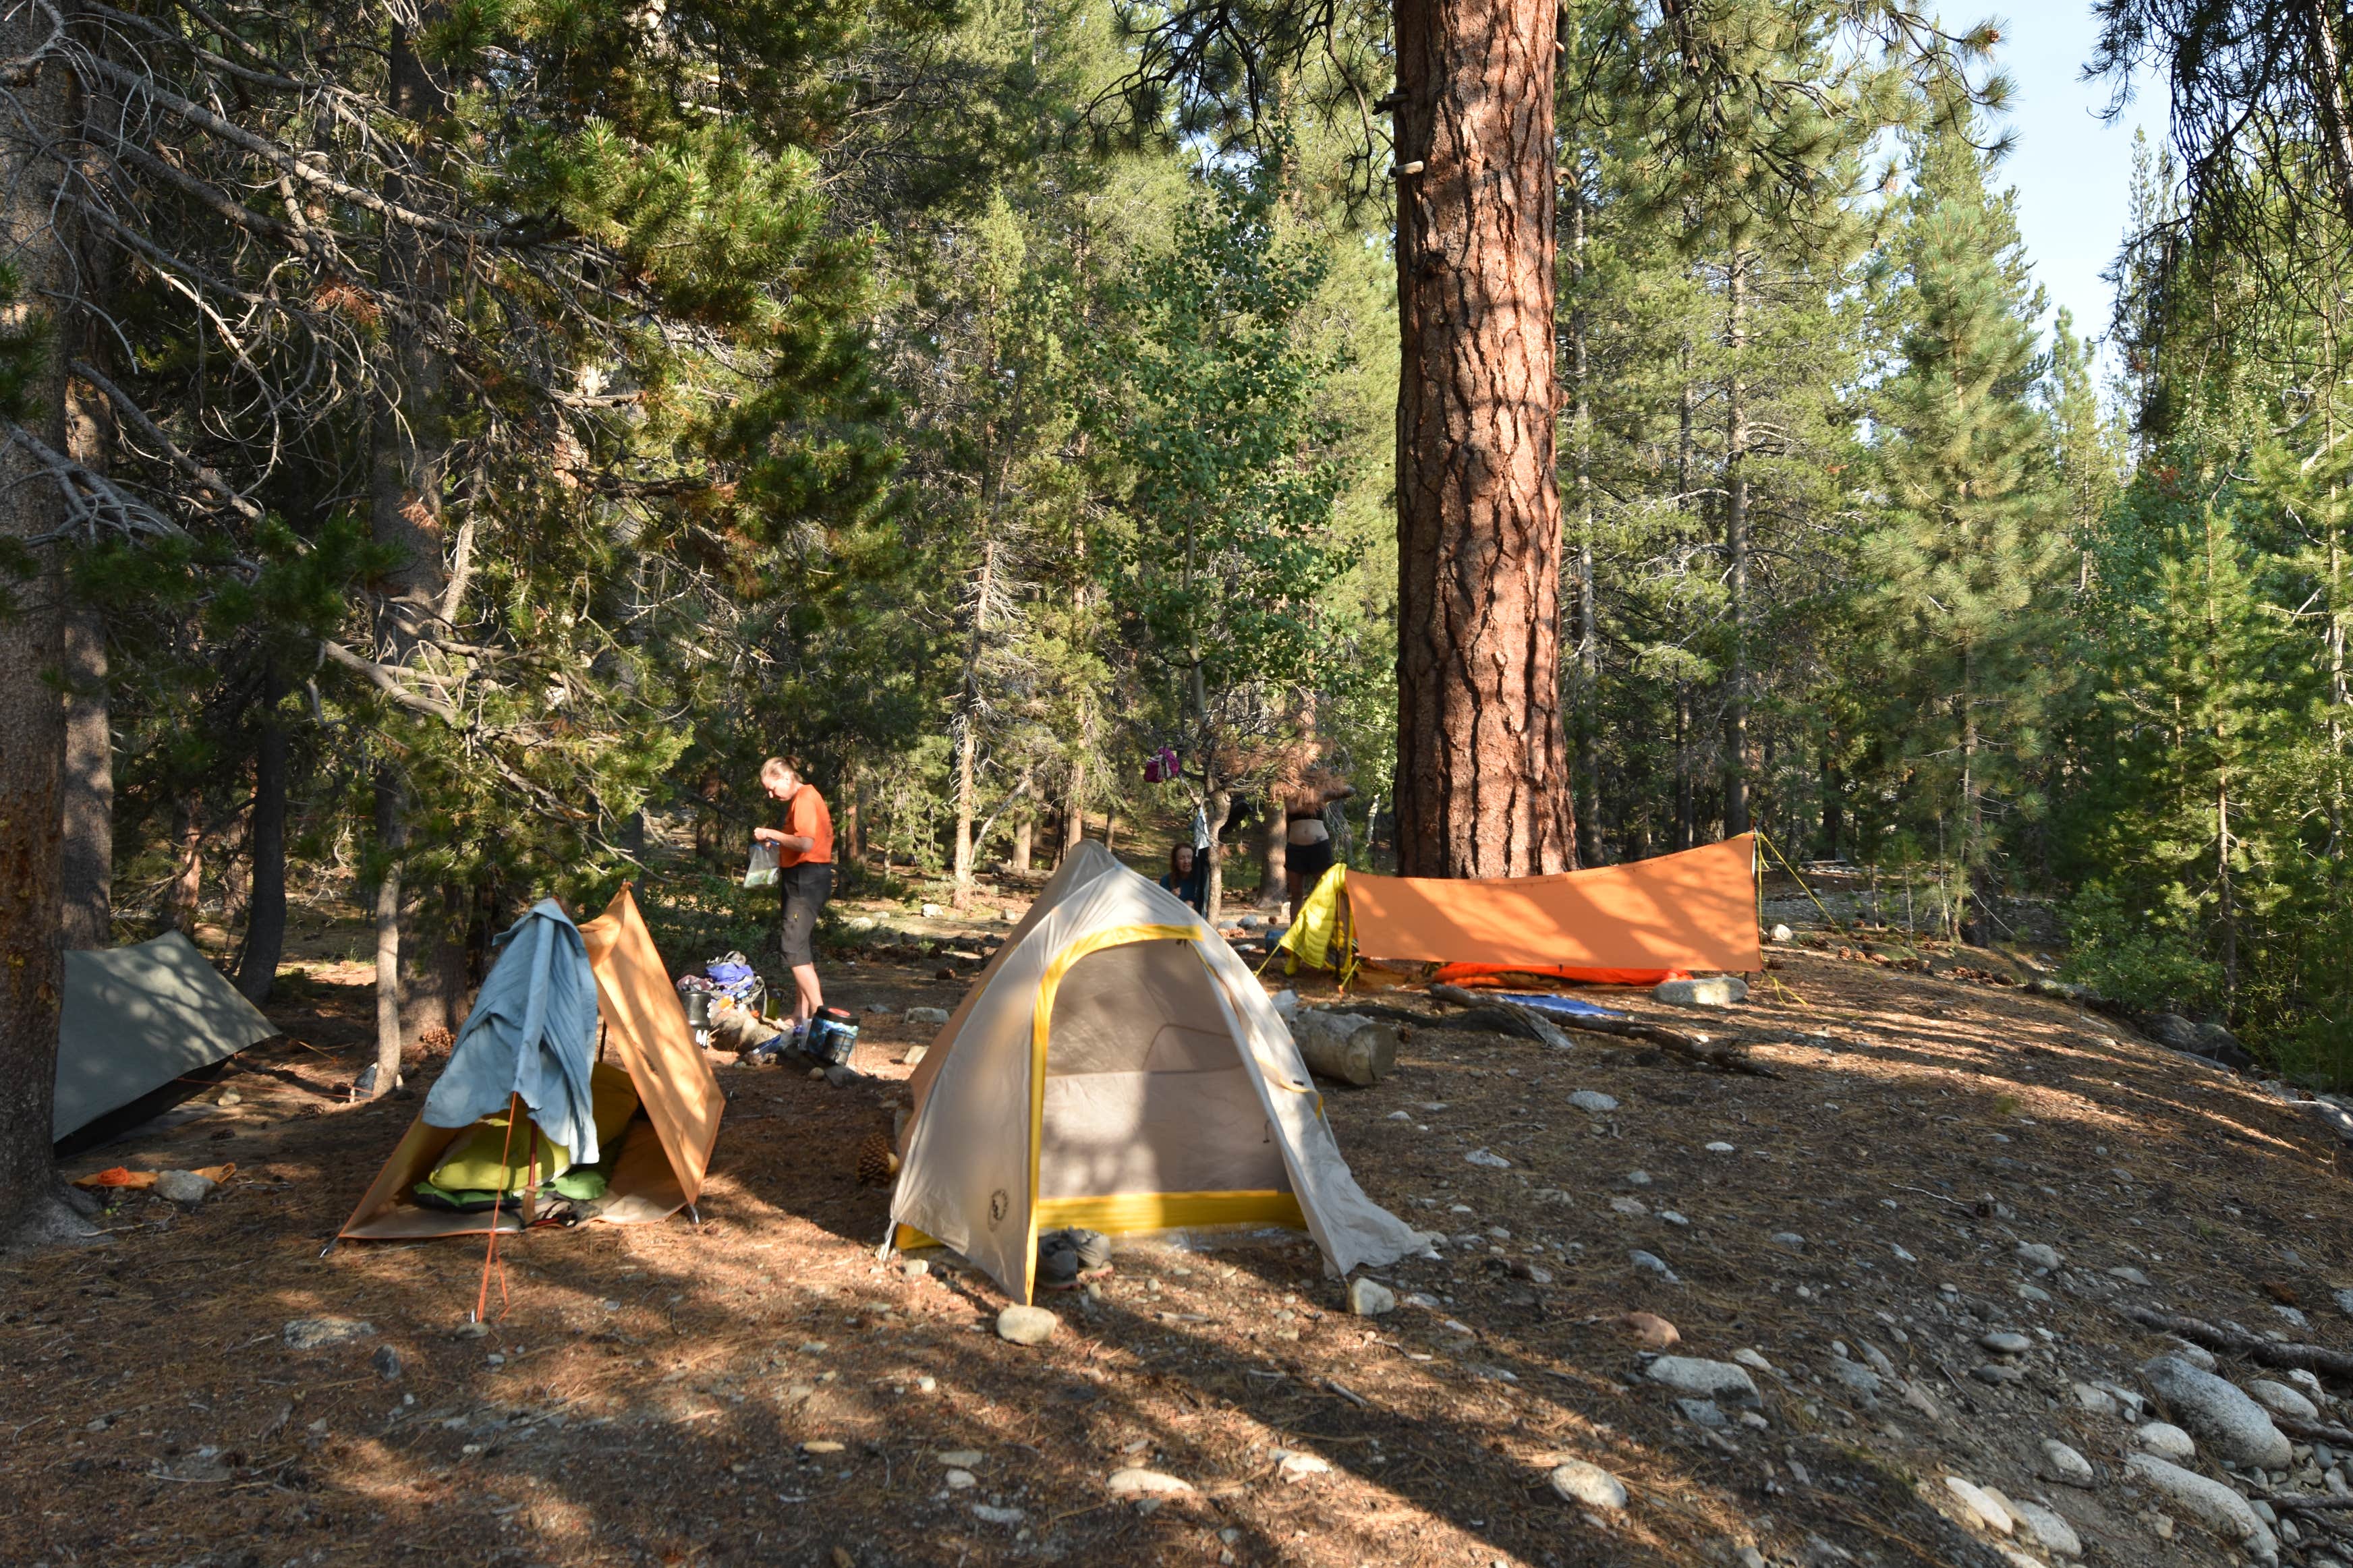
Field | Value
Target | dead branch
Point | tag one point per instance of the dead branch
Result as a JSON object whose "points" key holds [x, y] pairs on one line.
{"points": [[1527, 1023], [2271, 1353]]}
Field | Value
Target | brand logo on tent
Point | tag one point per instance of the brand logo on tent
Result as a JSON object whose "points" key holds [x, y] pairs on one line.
{"points": [[998, 1203]]}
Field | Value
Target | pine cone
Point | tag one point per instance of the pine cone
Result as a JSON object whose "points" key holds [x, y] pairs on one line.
{"points": [[878, 1162]]}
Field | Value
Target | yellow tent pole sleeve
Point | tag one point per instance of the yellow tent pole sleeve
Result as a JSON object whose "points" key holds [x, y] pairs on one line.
{"points": [[1117, 1212], [1040, 1028]]}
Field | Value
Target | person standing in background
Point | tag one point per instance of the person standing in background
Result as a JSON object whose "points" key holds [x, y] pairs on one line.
{"points": [[804, 874]]}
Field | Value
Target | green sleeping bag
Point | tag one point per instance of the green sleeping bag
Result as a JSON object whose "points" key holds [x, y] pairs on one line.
{"points": [[487, 1162]]}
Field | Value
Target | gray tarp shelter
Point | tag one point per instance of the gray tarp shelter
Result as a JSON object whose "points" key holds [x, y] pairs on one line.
{"points": [[139, 1021]]}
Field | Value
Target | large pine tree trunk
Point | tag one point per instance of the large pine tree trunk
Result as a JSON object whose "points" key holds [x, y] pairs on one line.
{"points": [[1588, 633], [1274, 854], [40, 109], [969, 729], [1483, 784]]}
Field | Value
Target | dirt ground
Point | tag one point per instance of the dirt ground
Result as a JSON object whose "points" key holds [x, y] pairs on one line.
{"points": [[762, 1387]]}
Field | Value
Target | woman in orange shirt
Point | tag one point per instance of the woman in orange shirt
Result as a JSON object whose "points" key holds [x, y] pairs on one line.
{"points": [[804, 874]]}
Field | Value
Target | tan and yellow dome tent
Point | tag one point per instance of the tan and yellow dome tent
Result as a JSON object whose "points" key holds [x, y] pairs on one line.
{"points": [[1119, 1068], [642, 1031]]}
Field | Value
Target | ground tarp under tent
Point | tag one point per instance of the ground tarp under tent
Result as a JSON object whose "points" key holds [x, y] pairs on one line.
{"points": [[142, 1028], [1632, 924], [664, 1150], [1119, 1068]]}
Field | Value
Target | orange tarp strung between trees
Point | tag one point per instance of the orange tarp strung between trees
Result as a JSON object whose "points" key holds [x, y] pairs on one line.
{"points": [[1630, 923]]}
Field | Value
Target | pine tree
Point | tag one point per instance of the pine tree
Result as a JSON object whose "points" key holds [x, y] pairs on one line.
{"points": [[1962, 568]]}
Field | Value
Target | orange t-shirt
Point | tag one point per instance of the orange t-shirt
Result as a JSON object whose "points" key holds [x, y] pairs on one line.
{"points": [[807, 817]]}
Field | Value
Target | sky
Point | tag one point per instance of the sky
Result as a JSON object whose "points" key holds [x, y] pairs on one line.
{"points": [[2072, 171]]}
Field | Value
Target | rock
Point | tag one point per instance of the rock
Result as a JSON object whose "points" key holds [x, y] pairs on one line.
{"points": [[1370, 1299], [1706, 1379], [1721, 1147], [1133, 1482], [987, 1515], [1638, 1178], [961, 1458], [1671, 1217], [926, 1017], [935, 911], [1702, 1412], [2095, 1400], [2130, 1402], [1294, 1466], [915, 1269], [1026, 1325], [1486, 1160], [822, 1445], [183, 1187], [2197, 1356], [324, 1334], [2233, 1425], [2171, 1030], [2166, 1441], [228, 1097], [1782, 933], [2048, 1529], [1652, 1331], [2032, 1292], [2281, 1400], [914, 1056], [879, 1009], [1789, 1239], [2343, 1299], [1633, 1207], [2063, 1464], [387, 1362], [2211, 1503], [1983, 1506], [1593, 1100], [1861, 1379], [2129, 1275], [2006, 1343], [1652, 1263], [1753, 1360], [1714, 990], [961, 1481], [1590, 1484], [1999, 1373], [2037, 1257]]}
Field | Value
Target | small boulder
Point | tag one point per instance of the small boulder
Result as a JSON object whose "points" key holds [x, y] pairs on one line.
{"points": [[2063, 1464], [2099, 1401], [2006, 1343], [1294, 1466], [1652, 1331], [325, 1333], [2281, 1400], [1984, 1509], [1594, 1102], [1703, 1378], [2043, 1260], [1652, 1263], [1136, 1482], [2238, 1429], [387, 1362], [2172, 1031], [1026, 1325], [1486, 1160], [2047, 1529], [1859, 1378], [926, 1017], [2166, 1441], [1370, 1299], [1589, 1485], [2211, 1502], [1714, 991], [183, 1187], [1781, 933]]}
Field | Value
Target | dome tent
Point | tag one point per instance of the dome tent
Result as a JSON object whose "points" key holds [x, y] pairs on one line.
{"points": [[1119, 1068]]}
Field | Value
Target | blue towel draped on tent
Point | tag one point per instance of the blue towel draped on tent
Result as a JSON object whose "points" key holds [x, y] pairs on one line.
{"points": [[533, 1033]]}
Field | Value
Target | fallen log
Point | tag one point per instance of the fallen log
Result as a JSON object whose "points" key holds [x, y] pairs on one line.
{"points": [[2271, 1353], [1349, 1047], [1528, 1024]]}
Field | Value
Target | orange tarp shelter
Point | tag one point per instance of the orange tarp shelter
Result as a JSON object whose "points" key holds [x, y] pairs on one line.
{"points": [[643, 1031], [1630, 924]]}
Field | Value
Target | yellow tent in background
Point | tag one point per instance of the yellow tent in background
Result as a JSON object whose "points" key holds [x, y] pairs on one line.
{"points": [[643, 1032]]}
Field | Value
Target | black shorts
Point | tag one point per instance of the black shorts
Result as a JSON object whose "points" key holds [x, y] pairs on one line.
{"points": [[806, 888], [1309, 862]]}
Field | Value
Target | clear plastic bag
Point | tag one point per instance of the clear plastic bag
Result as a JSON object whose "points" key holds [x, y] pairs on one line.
{"points": [[762, 871]]}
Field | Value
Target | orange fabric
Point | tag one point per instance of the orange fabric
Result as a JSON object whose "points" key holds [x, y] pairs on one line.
{"points": [[1494, 976], [1695, 911], [806, 816], [643, 1029]]}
